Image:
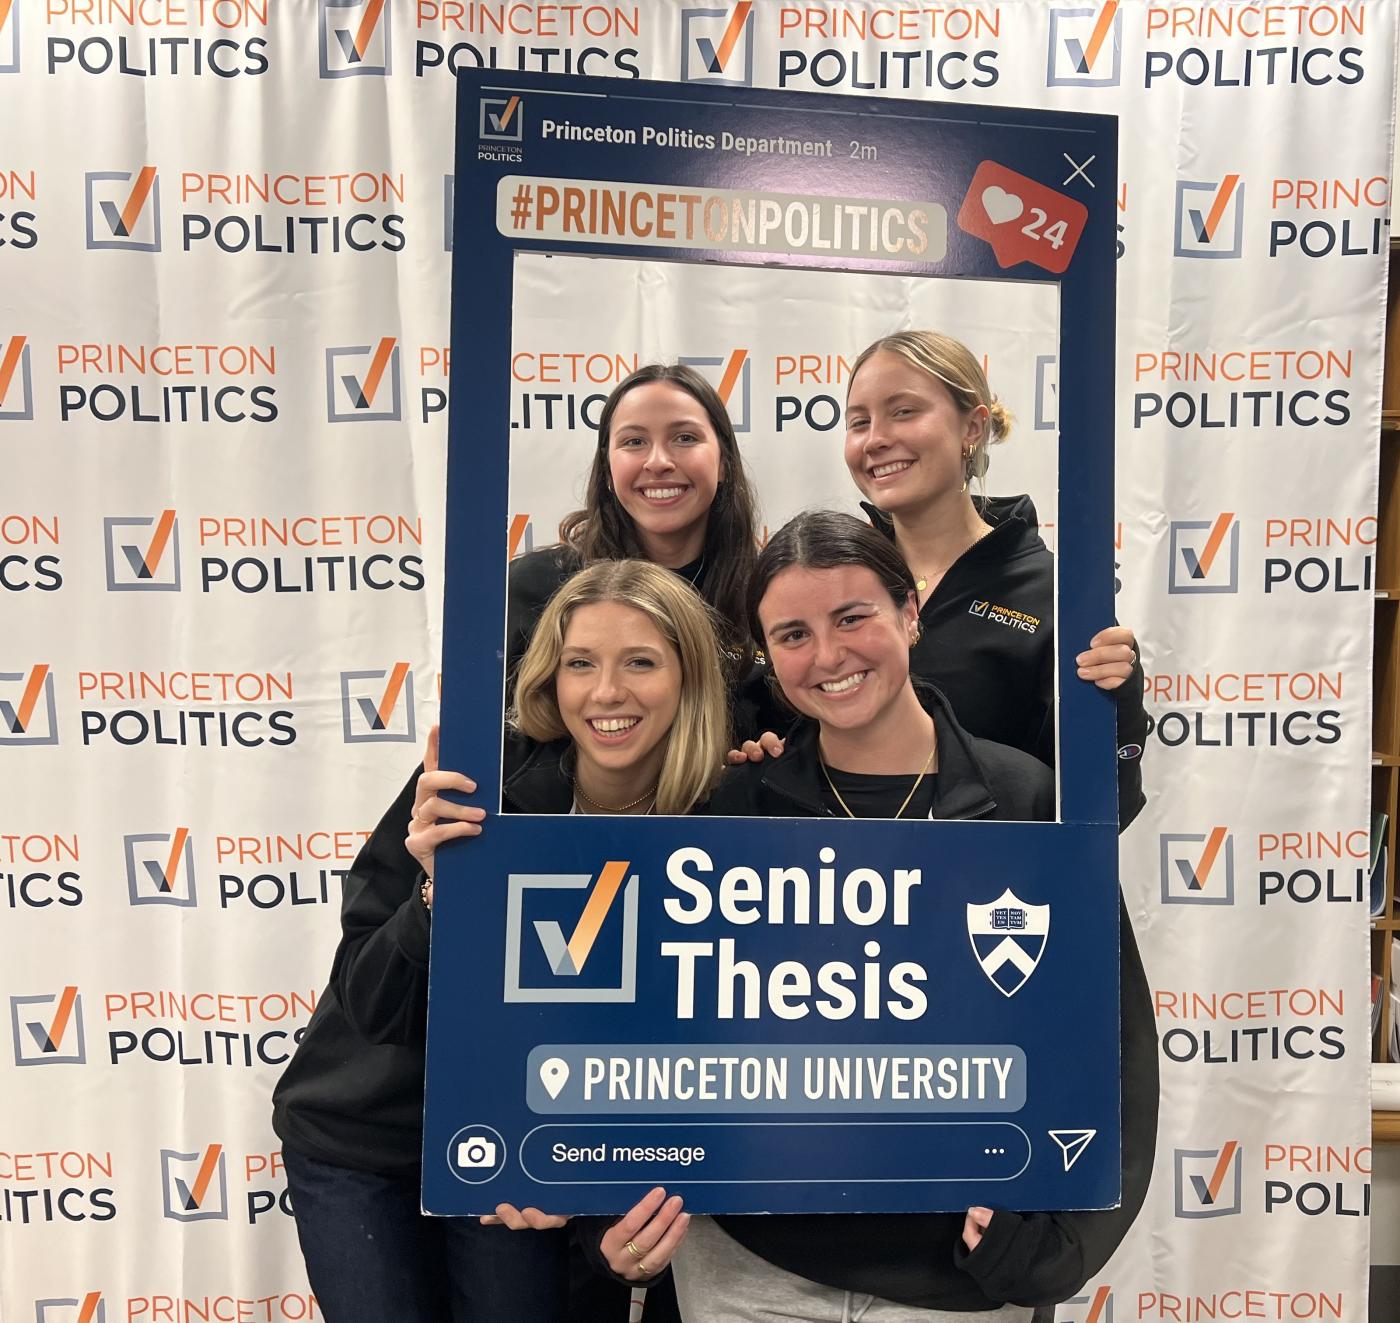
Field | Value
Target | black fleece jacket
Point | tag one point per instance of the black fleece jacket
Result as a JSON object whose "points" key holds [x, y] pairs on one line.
{"points": [[352, 1094], [996, 670], [920, 1259]]}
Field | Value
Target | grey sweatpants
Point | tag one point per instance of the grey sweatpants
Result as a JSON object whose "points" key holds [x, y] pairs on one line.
{"points": [[719, 1281]]}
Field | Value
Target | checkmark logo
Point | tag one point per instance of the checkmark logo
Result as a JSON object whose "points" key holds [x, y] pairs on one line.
{"points": [[203, 1198], [570, 957], [1209, 218], [16, 400], [501, 121], [16, 717], [715, 58], [9, 37], [377, 706], [1204, 226], [1100, 1307], [1208, 1181], [47, 1029], [979, 608], [1197, 565], [354, 38], [363, 382], [122, 223], [548, 950], [1078, 39], [1196, 876], [710, 38], [48, 1036], [142, 553], [160, 868], [730, 375]]}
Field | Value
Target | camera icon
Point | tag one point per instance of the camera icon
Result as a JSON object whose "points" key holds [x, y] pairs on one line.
{"points": [[476, 1151], [476, 1154]]}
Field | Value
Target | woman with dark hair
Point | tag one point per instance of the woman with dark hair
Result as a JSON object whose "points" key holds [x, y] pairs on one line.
{"points": [[620, 708], [836, 609], [667, 484]]}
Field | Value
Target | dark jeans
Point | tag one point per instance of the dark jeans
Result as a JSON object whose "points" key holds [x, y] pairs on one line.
{"points": [[371, 1256]]}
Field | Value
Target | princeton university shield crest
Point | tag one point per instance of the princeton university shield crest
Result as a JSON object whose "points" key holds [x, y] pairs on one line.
{"points": [[1008, 937]]}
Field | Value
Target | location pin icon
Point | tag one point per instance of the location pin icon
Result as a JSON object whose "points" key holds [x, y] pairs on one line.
{"points": [[554, 1074]]}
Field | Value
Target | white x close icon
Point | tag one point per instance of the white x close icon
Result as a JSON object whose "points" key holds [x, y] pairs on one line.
{"points": [[1079, 170]]}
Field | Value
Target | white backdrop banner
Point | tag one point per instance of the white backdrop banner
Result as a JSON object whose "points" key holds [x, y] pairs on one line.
{"points": [[217, 216]]}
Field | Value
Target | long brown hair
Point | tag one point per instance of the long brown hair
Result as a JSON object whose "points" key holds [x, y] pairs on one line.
{"points": [[603, 530]]}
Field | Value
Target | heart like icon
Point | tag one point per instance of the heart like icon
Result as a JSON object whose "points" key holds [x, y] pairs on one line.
{"points": [[1000, 205]]}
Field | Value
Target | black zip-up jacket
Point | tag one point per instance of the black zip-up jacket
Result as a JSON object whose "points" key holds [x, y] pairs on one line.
{"points": [[997, 671], [352, 1095], [920, 1259]]}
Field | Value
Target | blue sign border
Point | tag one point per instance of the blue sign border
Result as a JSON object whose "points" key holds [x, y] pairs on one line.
{"points": [[488, 1127]]}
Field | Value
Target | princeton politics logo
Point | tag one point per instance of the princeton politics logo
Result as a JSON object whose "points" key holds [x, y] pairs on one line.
{"points": [[353, 38], [47, 1030], [1209, 218], [1008, 938], [143, 555], [194, 1186], [717, 45], [91, 1308], [1198, 868], [376, 707], [729, 375], [1095, 1308], [27, 711], [1208, 1180], [364, 383], [559, 952], [16, 380], [1205, 555], [160, 868], [1086, 46], [502, 119], [9, 37], [123, 209]]}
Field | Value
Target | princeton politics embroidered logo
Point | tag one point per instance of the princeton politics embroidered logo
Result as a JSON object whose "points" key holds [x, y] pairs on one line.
{"points": [[1008, 938]]}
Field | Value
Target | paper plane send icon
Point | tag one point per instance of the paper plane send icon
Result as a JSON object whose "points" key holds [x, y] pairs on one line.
{"points": [[1072, 1143]]}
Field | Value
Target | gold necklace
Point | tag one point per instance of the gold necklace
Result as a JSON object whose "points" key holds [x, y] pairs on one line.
{"points": [[917, 781], [606, 808]]}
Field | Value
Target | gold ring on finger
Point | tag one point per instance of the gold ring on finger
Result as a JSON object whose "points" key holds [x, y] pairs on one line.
{"points": [[643, 1269], [634, 1251]]}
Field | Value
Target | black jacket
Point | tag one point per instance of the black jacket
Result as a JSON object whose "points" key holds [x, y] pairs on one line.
{"points": [[352, 1095], [998, 675], [976, 778], [919, 1259]]}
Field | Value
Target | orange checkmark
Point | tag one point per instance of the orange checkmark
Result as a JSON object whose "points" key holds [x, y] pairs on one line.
{"points": [[88, 1312], [1096, 1310], [732, 368], [377, 366], [4, 11], [1217, 1177], [32, 690], [140, 191], [159, 538], [505, 117], [366, 28], [67, 1000], [391, 692], [1217, 208], [13, 351], [1217, 535], [518, 525], [206, 1173], [590, 922], [1213, 843], [732, 32], [182, 834], [1100, 32]]}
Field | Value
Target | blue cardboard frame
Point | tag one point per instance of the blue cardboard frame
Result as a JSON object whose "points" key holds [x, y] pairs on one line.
{"points": [[515, 1036]]}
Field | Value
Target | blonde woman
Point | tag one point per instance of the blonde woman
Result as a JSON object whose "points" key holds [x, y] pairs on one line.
{"points": [[620, 708]]}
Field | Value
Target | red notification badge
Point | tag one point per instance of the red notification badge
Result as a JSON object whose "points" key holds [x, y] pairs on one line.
{"points": [[1023, 220]]}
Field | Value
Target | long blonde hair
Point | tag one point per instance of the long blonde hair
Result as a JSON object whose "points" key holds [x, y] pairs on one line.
{"points": [[699, 735], [955, 365]]}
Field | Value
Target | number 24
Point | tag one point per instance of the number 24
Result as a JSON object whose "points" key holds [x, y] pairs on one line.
{"points": [[1054, 236]]}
